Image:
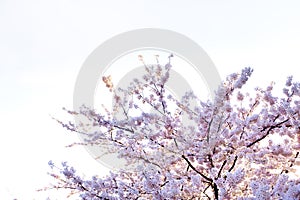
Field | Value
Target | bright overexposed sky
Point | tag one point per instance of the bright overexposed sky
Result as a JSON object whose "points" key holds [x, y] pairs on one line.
{"points": [[44, 43]]}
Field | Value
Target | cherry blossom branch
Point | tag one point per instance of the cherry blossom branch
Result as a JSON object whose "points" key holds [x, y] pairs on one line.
{"points": [[211, 161], [292, 163], [268, 132], [191, 166], [160, 94], [73, 185], [220, 171], [204, 191], [216, 191], [233, 164]]}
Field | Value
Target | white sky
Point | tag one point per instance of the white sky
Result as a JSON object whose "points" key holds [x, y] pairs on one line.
{"points": [[44, 43]]}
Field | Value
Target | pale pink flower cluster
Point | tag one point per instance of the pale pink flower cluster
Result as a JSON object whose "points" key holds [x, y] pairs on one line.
{"points": [[235, 147]]}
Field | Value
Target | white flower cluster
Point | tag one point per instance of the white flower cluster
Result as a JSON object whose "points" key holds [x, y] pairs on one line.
{"points": [[223, 151]]}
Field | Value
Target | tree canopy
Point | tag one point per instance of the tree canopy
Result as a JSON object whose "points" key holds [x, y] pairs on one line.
{"points": [[239, 145]]}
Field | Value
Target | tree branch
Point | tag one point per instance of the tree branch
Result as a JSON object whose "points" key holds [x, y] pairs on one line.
{"points": [[191, 166], [234, 162], [268, 132], [220, 171], [216, 191]]}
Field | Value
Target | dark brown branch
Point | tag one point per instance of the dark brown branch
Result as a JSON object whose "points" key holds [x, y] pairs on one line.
{"points": [[160, 93], [123, 128], [206, 195], [233, 164], [211, 161], [220, 171], [188, 167], [208, 129], [162, 185], [243, 131], [292, 164], [204, 191], [268, 132], [216, 191], [251, 110], [191, 166], [79, 184], [276, 118]]}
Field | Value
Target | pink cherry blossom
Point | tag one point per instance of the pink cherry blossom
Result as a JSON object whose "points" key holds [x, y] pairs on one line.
{"points": [[234, 147]]}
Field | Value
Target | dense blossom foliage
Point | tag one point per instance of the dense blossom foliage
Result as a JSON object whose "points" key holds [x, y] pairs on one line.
{"points": [[238, 146]]}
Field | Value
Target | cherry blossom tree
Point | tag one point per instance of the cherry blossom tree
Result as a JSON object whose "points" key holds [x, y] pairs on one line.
{"points": [[236, 146]]}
